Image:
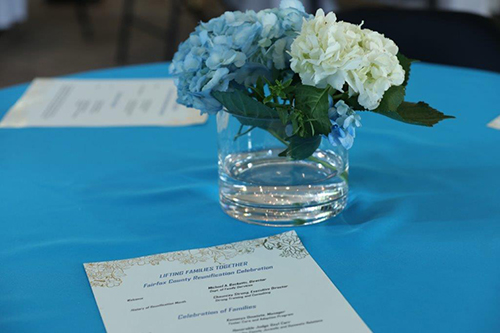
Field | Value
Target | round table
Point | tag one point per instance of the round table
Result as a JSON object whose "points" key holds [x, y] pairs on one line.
{"points": [[416, 250]]}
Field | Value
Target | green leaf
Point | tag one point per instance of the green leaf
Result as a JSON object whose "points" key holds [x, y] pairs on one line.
{"points": [[417, 114], [258, 90], [268, 99], [283, 114], [245, 108], [406, 64], [239, 103], [392, 99], [301, 148], [299, 123], [260, 84], [313, 103]]}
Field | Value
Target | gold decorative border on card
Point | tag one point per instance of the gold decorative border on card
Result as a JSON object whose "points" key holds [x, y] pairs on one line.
{"points": [[111, 273]]}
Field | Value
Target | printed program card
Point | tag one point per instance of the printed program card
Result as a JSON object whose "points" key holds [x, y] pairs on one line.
{"points": [[495, 123], [264, 285], [89, 103]]}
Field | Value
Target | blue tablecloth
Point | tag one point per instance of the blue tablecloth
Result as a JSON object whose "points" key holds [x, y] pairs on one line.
{"points": [[416, 250]]}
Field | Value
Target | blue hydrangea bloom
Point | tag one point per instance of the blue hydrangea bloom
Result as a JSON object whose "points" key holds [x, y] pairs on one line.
{"points": [[344, 123], [232, 51], [292, 4]]}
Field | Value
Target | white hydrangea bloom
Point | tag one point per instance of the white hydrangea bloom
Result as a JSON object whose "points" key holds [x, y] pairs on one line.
{"points": [[328, 52]]}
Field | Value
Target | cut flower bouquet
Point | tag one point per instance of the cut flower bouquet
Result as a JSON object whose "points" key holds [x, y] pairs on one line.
{"points": [[288, 89], [312, 72]]}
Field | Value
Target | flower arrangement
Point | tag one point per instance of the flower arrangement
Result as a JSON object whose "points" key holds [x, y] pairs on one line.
{"points": [[311, 75]]}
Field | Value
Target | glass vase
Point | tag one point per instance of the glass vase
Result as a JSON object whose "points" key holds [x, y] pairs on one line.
{"points": [[258, 186]]}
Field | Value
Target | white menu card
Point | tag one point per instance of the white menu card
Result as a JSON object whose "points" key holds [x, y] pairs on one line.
{"points": [[88, 103], [263, 285]]}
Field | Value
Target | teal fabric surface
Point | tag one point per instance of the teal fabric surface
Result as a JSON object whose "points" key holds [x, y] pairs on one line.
{"points": [[416, 250]]}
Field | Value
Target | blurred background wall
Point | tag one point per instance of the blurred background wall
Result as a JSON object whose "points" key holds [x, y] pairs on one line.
{"points": [[40, 38]]}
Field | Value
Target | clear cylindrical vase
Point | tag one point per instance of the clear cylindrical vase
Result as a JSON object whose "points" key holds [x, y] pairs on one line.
{"points": [[257, 185]]}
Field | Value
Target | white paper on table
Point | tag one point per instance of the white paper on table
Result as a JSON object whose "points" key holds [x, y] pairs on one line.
{"points": [[88, 103], [495, 123], [255, 286]]}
